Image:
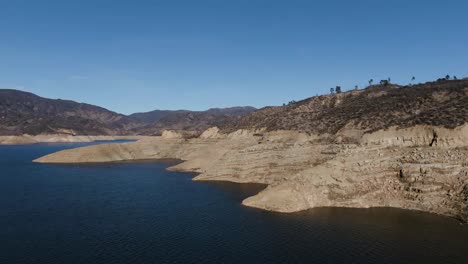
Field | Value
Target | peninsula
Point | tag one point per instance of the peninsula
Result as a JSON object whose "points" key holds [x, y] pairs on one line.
{"points": [[383, 146]]}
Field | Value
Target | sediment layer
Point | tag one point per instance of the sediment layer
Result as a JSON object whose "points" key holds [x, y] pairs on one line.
{"points": [[388, 168], [57, 138]]}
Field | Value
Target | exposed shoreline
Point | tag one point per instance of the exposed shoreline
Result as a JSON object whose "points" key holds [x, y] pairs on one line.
{"points": [[392, 168], [59, 138]]}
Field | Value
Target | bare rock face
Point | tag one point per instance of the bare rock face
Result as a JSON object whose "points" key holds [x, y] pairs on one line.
{"points": [[212, 132], [421, 135], [169, 134], [303, 173]]}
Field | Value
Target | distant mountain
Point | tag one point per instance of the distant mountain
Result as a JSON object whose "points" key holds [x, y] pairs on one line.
{"points": [[26, 113], [231, 111], [439, 103], [192, 122], [23, 112], [155, 115]]}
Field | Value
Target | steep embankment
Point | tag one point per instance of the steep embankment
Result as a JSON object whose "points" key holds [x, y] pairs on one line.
{"points": [[304, 173], [356, 163]]}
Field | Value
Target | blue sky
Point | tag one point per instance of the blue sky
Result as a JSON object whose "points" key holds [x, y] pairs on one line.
{"points": [[132, 56]]}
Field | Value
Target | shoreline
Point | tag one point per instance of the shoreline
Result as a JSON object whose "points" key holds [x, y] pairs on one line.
{"points": [[59, 138], [260, 186], [302, 173]]}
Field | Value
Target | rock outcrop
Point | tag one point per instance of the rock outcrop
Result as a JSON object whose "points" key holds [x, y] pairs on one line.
{"points": [[303, 172]]}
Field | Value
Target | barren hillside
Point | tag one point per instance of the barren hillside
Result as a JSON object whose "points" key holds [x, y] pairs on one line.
{"points": [[442, 103], [26, 113]]}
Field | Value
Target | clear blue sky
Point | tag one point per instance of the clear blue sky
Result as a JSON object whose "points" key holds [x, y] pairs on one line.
{"points": [[132, 56]]}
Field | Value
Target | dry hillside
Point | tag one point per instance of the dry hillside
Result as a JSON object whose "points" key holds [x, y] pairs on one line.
{"points": [[441, 103]]}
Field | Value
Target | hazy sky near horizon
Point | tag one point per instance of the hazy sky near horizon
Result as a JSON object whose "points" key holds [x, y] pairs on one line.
{"points": [[133, 56]]}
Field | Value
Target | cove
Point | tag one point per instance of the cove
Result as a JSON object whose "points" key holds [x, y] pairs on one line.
{"points": [[141, 213]]}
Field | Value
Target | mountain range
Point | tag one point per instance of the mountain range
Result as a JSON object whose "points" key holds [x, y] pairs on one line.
{"points": [[438, 103], [26, 113]]}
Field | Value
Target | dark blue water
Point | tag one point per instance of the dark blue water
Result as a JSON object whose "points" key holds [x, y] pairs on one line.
{"points": [[141, 213]]}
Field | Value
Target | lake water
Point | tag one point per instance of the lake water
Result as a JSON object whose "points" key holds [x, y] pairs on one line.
{"points": [[141, 213]]}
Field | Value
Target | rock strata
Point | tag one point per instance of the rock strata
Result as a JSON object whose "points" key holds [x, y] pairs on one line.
{"points": [[304, 171]]}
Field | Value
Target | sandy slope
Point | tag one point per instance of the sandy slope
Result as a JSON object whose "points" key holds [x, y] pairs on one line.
{"points": [[55, 138], [393, 168]]}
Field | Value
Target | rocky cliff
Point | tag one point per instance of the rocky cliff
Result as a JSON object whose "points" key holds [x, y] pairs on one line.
{"points": [[303, 172]]}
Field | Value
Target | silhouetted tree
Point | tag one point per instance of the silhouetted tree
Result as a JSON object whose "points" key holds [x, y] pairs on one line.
{"points": [[332, 90], [384, 82], [338, 89], [455, 77], [447, 77], [371, 81], [389, 80], [434, 138], [356, 87]]}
